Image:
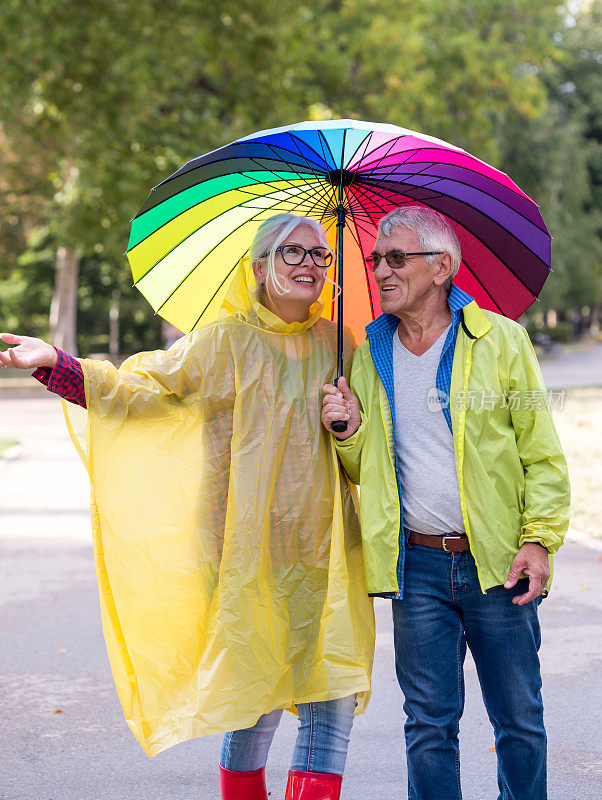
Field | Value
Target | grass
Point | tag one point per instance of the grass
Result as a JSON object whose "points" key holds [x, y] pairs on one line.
{"points": [[579, 426], [6, 444]]}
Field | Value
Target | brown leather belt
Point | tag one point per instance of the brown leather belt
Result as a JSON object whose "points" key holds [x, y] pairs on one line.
{"points": [[451, 543]]}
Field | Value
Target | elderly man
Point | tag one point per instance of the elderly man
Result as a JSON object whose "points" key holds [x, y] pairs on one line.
{"points": [[464, 500]]}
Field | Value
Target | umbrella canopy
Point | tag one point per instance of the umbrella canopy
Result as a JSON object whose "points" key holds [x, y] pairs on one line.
{"points": [[194, 228]]}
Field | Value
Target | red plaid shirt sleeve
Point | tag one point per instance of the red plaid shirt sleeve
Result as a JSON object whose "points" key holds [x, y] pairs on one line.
{"points": [[66, 379]]}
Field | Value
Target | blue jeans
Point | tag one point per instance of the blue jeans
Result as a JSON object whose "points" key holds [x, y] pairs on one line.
{"points": [[443, 610], [322, 739]]}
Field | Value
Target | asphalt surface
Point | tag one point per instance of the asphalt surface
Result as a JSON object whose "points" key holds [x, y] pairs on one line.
{"points": [[574, 367], [62, 730]]}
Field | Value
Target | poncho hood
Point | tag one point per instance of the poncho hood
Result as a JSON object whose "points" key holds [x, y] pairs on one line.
{"points": [[241, 301]]}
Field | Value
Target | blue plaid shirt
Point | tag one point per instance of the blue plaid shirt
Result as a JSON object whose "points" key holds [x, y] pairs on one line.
{"points": [[380, 337]]}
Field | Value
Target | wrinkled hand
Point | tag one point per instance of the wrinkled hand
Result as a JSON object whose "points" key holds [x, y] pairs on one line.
{"points": [[27, 352], [339, 403], [532, 559]]}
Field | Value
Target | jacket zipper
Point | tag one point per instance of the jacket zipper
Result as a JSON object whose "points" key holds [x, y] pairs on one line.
{"points": [[460, 458], [382, 417]]}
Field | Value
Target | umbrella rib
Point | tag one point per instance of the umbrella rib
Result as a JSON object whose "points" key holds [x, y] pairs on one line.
{"points": [[314, 190], [359, 244], [320, 178], [396, 168], [221, 284], [212, 163], [225, 158], [486, 193], [501, 227], [364, 143], [310, 166], [192, 232], [323, 210], [277, 177], [293, 195], [432, 163], [365, 212], [208, 303], [373, 188], [359, 192], [294, 170], [374, 195], [323, 142], [241, 189], [357, 200], [407, 154], [381, 158], [363, 227], [341, 168], [481, 284], [215, 246], [309, 147], [473, 233]]}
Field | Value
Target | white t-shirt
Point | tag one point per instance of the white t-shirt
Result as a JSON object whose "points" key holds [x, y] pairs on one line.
{"points": [[424, 443]]}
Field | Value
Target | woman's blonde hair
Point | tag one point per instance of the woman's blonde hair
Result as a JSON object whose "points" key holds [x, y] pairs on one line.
{"points": [[270, 235]]}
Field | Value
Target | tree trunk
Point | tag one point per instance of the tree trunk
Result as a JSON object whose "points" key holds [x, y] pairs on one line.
{"points": [[114, 326], [63, 309]]}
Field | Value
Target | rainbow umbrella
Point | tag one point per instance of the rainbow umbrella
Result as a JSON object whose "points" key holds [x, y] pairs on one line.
{"points": [[194, 228]]}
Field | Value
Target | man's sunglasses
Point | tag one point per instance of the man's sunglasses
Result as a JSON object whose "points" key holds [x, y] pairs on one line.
{"points": [[396, 259]]}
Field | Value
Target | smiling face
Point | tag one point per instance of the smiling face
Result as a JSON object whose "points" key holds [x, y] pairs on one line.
{"points": [[303, 282], [403, 291]]}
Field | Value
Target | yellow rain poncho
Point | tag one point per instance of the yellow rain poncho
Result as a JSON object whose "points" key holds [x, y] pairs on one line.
{"points": [[227, 545]]}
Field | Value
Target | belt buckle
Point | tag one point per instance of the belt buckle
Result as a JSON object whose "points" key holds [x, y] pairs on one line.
{"points": [[443, 539]]}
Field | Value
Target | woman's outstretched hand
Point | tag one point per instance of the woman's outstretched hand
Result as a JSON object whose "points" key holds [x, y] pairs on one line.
{"points": [[25, 352], [340, 403]]}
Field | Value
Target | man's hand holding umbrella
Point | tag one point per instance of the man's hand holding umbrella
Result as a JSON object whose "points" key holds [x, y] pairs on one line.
{"points": [[339, 403]]}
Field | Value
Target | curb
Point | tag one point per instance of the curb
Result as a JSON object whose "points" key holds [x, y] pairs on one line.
{"points": [[9, 386]]}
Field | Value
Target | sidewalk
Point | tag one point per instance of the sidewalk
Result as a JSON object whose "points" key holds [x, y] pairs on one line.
{"points": [[52, 657]]}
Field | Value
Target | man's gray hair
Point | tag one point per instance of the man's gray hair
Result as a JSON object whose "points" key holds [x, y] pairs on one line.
{"points": [[432, 229], [270, 235]]}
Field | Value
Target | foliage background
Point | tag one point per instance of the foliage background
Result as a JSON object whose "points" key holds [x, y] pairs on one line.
{"points": [[100, 100]]}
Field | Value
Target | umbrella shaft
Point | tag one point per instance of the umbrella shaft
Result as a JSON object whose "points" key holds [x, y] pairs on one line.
{"points": [[341, 214]]}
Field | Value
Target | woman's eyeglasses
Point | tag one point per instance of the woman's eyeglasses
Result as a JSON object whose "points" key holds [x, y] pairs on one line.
{"points": [[294, 254], [396, 259]]}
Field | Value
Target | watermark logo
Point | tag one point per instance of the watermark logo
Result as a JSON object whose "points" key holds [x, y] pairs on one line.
{"points": [[483, 400], [436, 400]]}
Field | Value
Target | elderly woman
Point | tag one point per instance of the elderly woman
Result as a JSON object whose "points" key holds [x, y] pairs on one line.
{"points": [[227, 546]]}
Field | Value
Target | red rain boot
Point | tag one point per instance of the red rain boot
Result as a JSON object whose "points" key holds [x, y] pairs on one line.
{"points": [[313, 786], [242, 785]]}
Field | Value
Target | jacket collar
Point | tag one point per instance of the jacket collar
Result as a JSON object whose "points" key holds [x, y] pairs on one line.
{"points": [[457, 300], [475, 321]]}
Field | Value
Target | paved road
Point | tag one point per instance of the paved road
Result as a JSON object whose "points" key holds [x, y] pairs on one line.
{"points": [[574, 367], [52, 657]]}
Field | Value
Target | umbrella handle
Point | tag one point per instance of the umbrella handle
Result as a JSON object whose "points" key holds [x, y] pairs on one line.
{"points": [[339, 425]]}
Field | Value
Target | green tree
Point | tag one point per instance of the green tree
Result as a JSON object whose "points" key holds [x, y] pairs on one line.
{"points": [[557, 159], [450, 68], [99, 101]]}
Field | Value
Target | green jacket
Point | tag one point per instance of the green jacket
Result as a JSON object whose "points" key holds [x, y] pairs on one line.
{"points": [[512, 473]]}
